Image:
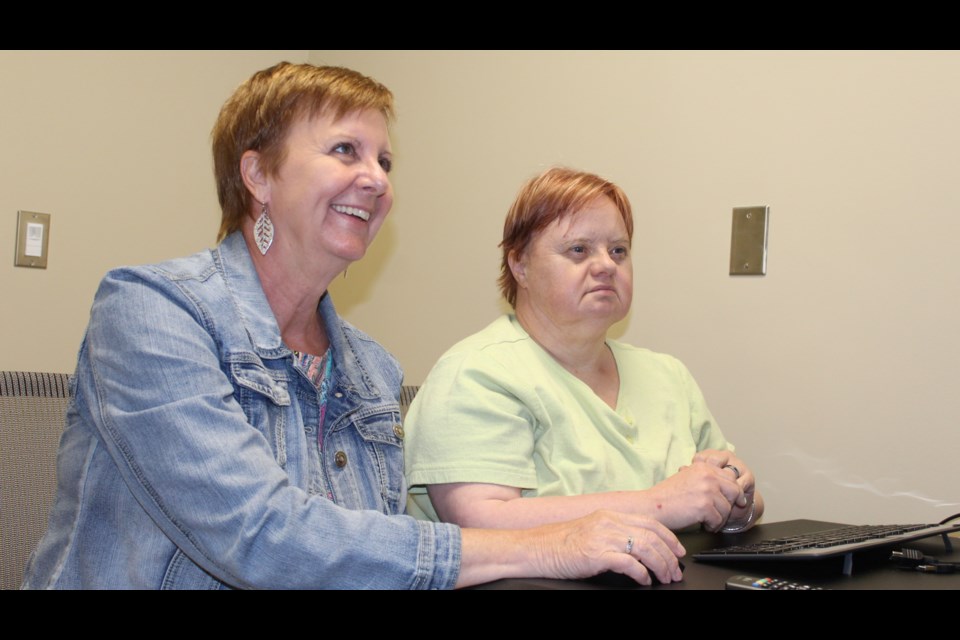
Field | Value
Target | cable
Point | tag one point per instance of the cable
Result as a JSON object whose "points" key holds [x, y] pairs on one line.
{"points": [[913, 560]]}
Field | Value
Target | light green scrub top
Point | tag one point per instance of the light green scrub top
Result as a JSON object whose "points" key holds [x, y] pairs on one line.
{"points": [[497, 408]]}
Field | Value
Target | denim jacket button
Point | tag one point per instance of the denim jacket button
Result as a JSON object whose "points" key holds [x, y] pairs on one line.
{"points": [[340, 458], [398, 430]]}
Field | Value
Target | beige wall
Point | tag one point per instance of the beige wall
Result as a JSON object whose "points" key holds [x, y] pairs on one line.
{"points": [[115, 146], [835, 374]]}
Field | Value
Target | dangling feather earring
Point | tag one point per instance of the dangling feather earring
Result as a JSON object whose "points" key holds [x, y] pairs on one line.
{"points": [[263, 230]]}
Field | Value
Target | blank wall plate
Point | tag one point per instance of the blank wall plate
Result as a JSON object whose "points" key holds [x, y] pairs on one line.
{"points": [[748, 242], [33, 239]]}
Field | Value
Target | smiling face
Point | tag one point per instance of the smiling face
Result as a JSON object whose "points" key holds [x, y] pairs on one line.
{"points": [[331, 193], [577, 270]]}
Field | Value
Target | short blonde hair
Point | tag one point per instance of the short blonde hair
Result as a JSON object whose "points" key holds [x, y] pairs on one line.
{"points": [[550, 196], [262, 110]]}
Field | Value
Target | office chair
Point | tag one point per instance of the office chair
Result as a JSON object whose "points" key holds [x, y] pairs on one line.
{"points": [[32, 408], [407, 394]]}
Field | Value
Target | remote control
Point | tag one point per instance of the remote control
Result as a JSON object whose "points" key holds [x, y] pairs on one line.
{"points": [[752, 583]]}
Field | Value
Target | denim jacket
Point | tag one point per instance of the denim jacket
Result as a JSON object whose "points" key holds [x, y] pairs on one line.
{"points": [[190, 457]]}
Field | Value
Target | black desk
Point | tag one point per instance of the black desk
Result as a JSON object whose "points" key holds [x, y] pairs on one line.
{"points": [[871, 569]]}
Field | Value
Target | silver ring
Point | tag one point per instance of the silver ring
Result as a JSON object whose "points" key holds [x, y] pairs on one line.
{"points": [[735, 470], [629, 545]]}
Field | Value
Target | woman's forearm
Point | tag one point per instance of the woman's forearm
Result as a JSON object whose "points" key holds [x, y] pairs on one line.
{"points": [[696, 494]]}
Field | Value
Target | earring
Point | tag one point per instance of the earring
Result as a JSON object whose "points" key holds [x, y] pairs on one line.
{"points": [[263, 230]]}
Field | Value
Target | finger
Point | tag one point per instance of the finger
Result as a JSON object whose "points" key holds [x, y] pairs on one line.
{"points": [[666, 570], [713, 521], [731, 490], [628, 566], [747, 480], [741, 499], [728, 487], [667, 536], [712, 457], [732, 472], [743, 469], [657, 547], [725, 504], [746, 493], [652, 550], [747, 484], [716, 516]]}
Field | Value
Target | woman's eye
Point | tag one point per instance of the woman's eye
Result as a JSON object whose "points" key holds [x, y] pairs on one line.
{"points": [[386, 164], [578, 249], [620, 252], [344, 148]]}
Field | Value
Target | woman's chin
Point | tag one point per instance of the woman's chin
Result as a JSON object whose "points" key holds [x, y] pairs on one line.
{"points": [[610, 310], [348, 252]]}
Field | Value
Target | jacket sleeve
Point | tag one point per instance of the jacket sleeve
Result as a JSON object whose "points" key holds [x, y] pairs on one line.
{"points": [[166, 411]]}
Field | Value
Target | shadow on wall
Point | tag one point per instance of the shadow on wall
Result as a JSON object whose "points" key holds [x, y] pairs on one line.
{"points": [[883, 487]]}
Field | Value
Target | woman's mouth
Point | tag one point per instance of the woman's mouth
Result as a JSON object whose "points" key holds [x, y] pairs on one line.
{"points": [[352, 211]]}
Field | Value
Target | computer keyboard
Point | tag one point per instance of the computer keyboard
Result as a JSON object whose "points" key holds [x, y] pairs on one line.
{"points": [[828, 543]]}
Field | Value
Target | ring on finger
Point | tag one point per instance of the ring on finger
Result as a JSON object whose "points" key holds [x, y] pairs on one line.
{"points": [[735, 470], [629, 547]]}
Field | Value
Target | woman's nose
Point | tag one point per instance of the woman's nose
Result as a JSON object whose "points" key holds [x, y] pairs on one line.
{"points": [[604, 263], [375, 178]]}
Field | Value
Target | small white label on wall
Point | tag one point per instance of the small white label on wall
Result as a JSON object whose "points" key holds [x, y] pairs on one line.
{"points": [[33, 239], [34, 244]]}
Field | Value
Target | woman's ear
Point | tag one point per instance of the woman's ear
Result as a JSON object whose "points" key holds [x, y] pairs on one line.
{"points": [[518, 267], [254, 178]]}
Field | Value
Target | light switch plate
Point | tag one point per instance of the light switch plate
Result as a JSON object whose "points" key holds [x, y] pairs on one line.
{"points": [[748, 242], [33, 239]]}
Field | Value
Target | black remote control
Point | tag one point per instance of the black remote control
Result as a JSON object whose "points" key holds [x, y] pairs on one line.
{"points": [[753, 583]]}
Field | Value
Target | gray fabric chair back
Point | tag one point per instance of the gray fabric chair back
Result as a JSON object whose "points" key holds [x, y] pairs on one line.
{"points": [[407, 393], [32, 409]]}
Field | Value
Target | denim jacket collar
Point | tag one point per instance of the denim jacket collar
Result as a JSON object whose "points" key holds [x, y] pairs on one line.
{"points": [[242, 280]]}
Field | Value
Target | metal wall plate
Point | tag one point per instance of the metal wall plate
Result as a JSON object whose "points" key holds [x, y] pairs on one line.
{"points": [[33, 239], [748, 242]]}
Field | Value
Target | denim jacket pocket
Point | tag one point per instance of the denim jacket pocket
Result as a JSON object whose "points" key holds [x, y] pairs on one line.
{"points": [[182, 573], [264, 398], [380, 445]]}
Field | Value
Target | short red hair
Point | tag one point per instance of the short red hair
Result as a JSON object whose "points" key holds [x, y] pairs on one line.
{"points": [[261, 112], [550, 196]]}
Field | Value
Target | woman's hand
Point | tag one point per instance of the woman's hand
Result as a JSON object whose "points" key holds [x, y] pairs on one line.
{"points": [[700, 493], [749, 505], [732, 465], [602, 541], [605, 540]]}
